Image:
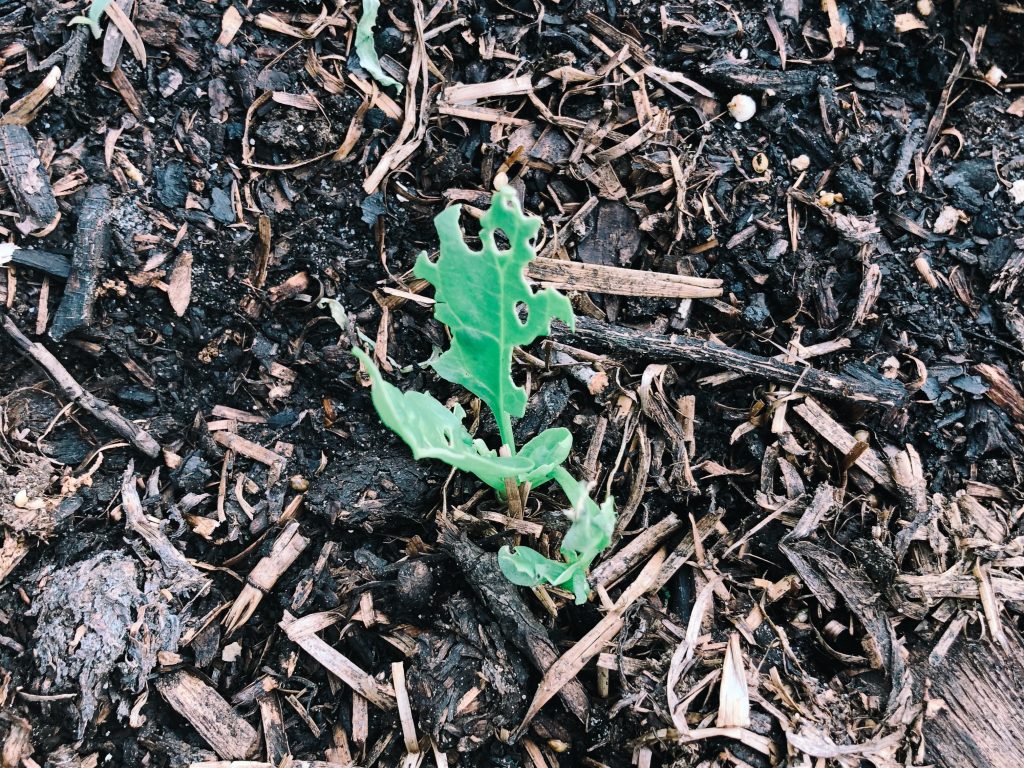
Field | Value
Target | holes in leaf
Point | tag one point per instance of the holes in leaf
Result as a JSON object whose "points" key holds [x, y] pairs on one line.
{"points": [[523, 312], [501, 240]]}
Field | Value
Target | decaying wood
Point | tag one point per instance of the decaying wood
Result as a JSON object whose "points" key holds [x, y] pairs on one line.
{"points": [[52, 263], [288, 546], [179, 569], [90, 256], [745, 77], [27, 179], [619, 281], [977, 695], [213, 718], [100, 409], [512, 615], [835, 433], [564, 670], [862, 388], [302, 633], [275, 737]]}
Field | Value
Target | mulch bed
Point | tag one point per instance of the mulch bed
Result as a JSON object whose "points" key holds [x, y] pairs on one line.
{"points": [[797, 366]]}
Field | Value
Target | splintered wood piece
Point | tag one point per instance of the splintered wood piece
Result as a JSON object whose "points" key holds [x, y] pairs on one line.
{"points": [[99, 409], [863, 388], [116, 13], [113, 37], [835, 433], [213, 718], [25, 109], [234, 414], [473, 92], [135, 518], [981, 689], [301, 632], [90, 256], [1002, 391], [599, 278], [274, 735], [404, 708], [261, 764], [248, 448], [27, 180], [572, 661], [288, 546], [52, 263], [608, 573]]}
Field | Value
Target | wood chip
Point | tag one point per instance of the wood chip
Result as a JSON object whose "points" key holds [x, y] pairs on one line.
{"points": [[599, 278], [179, 287], [835, 433], [301, 632], [230, 23], [248, 449], [213, 718]]}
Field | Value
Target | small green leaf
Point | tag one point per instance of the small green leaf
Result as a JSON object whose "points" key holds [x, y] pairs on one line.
{"points": [[528, 568], [593, 524], [590, 532], [338, 313], [93, 16], [480, 295], [366, 50], [434, 432]]}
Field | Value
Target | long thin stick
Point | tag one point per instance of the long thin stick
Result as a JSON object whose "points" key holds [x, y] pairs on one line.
{"points": [[74, 391], [864, 388]]}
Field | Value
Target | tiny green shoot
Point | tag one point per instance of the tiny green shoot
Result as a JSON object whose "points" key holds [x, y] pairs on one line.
{"points": [[366, 50], [490, 309], [92, 17]]}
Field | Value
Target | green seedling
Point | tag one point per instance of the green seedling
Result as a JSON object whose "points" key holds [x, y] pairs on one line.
{"points": [[366, 50], [484, 299], [92, 17]]}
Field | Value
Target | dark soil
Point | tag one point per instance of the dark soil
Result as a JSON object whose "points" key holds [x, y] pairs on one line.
{"points": [[74, 684]]}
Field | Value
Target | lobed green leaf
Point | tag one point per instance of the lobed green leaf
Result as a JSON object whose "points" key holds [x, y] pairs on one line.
{"points": [[434, 432], [484, 299]]}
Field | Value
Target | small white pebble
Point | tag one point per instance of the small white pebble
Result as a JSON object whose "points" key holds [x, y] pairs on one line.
{"points": [[231, 652], [741, 107], [947, 220], [1017, 192], [800, 163], [994, 76], [925, 7], [744, 54]]}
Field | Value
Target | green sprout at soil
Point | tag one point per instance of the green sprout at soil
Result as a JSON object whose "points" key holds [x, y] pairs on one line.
{"points": [[365, 47], [484, 299], [92, 17]]}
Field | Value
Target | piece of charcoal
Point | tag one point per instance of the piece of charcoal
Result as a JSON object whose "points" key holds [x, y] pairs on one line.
{"points": [[90, 256]]}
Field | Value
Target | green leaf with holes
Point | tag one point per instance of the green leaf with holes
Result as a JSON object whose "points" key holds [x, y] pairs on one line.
{"points": [[484, 299]]}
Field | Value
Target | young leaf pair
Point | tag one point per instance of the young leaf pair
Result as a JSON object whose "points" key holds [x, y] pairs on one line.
{"points": [[484, 299]]}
